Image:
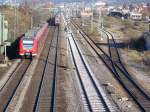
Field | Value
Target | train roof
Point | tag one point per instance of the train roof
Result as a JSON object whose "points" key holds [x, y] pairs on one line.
{"points": [[31, 33]]}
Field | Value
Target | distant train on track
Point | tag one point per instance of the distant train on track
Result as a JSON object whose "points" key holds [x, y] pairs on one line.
{"points": [[30, 43], [57, 19]]}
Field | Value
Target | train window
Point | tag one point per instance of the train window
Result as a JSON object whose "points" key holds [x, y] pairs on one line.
{"points": [[27, 44]]}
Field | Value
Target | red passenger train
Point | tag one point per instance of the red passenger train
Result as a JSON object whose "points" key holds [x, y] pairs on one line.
{"points": [[29, 43]]}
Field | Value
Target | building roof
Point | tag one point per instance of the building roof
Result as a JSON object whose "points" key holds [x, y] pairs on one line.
{"points": [[136, 13]]}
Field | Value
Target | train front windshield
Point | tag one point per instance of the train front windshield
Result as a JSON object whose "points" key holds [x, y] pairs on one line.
{"points": [[27, 43]]}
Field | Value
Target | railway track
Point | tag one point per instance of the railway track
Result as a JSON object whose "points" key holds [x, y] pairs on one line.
{"points": [[141, 98], [92, 95], [122, 74], [5, 80], [46, 94], [11, 85]]}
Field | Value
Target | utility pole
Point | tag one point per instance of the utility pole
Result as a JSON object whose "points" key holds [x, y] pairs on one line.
{"points": [[92, 16], [149, 23], [101, 26], [92, 21], [31, 19], [76, 9], [15, 20], [31, 22], [149, 16], [101, 20], [148, 5]]}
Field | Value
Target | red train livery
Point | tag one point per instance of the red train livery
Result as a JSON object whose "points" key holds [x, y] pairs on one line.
{"points": [[29, 43]]}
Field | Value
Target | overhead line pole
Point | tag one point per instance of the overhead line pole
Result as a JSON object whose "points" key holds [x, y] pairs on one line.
{"points": [[15, 21], [149, 15], [92, 26]]}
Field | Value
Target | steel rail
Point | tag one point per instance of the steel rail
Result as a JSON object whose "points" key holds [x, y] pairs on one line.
{"points": [[142, 94], [26, 66], [53, 94], [9, 78], [92, 80]]}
